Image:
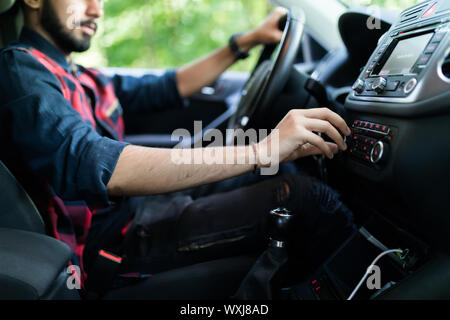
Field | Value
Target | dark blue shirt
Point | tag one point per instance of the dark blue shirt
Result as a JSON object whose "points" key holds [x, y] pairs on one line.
{"points": [[42, 135]]}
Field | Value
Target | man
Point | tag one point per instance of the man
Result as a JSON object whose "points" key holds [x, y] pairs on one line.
{"points": [[61, 132]]}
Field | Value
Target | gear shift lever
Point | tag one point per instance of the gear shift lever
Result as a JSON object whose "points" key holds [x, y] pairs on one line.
{"points": [[280, 226], [258, 283]]}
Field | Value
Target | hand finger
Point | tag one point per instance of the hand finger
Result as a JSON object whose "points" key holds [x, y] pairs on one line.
{"points": [[277, 36], [317, 141], [330, 116], [326, 127], [281, 11], [310, 150]]}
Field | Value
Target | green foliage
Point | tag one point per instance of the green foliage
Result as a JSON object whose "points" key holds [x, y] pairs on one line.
{"points": [[170, 33], [391, 4]]}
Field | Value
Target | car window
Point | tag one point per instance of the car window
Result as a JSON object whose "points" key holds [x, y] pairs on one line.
{"points": [[388, 4], [170, 33]]}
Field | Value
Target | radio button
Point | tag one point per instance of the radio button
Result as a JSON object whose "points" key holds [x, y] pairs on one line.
{"points": [[379, 84], [379, 152], [382, 48], [438, 37], [424, 60], [431, 48], [410, 85], [372, 65], [418, 69], [392, 85], [359, 86]]}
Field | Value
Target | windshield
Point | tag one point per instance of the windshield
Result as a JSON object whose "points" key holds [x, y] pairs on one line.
{"points": [[388, 4]]}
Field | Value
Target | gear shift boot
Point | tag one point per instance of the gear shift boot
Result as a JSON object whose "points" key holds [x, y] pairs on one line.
{"points": [[257, 285]]}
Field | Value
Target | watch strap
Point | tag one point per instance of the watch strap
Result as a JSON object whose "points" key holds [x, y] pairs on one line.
{"points": [[236, 49]]}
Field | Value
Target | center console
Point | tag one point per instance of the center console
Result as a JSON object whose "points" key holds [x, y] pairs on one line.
{"points": [[406, 76], [394, 175]]}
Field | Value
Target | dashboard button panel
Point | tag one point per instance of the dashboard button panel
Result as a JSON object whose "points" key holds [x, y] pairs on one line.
{"points": [[369, 142]]}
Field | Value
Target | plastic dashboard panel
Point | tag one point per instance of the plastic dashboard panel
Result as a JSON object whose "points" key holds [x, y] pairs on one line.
{"points": [[413, 184], [431, 95]]}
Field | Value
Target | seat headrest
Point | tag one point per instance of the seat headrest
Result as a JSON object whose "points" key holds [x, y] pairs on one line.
{"points": [[5, 5]]}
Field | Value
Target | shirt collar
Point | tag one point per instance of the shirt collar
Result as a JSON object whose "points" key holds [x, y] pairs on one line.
{"points": [[38, 42]]}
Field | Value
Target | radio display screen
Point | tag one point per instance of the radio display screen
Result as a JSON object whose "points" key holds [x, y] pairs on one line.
{"points": [[405, 55]]}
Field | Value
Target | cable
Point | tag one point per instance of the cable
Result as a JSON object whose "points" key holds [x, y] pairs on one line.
{"points": [[369, 269]]}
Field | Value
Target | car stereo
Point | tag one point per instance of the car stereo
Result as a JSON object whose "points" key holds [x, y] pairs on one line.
{"points": [[405, 66]]}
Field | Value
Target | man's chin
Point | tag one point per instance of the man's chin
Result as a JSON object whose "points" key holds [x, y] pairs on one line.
{"points": [[83, 47], [82, 43]]}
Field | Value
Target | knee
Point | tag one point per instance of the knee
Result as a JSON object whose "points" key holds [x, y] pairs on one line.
{"points": [[307, 195]]}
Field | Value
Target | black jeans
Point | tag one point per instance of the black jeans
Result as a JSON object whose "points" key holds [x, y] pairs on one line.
{"points": [[229, 219]]}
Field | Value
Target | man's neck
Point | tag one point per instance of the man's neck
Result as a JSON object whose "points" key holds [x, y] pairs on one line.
{"points": [[43, 33]]}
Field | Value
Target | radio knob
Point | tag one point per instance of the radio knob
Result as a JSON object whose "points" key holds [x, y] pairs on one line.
{"points": [[379, 85], [359, 86], [379, 152]]}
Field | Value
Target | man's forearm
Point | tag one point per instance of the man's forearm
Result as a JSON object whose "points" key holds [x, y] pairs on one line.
{"points": [[192, 77], [147, 171]]}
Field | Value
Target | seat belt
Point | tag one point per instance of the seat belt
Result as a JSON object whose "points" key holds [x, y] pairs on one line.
{"points": [[103, 272]]}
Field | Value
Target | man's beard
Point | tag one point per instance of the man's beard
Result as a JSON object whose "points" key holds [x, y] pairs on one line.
{"points": [[63, 39]]}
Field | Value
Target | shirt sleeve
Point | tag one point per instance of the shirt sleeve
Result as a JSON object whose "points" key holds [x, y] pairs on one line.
{"points": [[148, 93], [50, 136]]}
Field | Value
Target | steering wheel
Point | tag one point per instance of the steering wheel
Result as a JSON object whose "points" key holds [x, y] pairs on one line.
{"points": [[270, 75]]}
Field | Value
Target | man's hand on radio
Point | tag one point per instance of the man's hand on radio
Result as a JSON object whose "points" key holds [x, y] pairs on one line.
{"points": [[298, 134]]}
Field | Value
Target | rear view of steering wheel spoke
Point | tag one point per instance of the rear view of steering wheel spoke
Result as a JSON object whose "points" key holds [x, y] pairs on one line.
{"points": [[270, 75]]}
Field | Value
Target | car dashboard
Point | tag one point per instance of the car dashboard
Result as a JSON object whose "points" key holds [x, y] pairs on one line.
{"points": [[399, 112], [395, 175]]}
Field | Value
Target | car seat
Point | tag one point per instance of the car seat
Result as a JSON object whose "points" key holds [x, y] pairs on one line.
{"points": [[11, 21]]}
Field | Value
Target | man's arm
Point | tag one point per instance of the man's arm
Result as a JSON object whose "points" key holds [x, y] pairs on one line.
{"points": [[144, 171], [193, 77]]}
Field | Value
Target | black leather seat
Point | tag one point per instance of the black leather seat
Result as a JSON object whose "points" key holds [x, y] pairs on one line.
{"points": [[11, 22], [32, 265], [17, 211]]}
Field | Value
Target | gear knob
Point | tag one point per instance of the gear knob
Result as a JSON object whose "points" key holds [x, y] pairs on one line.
{"points": [[280, 224]]}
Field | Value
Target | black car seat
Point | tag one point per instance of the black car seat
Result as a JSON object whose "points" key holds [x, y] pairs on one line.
{"points": [[17, 211], [11, 21]]}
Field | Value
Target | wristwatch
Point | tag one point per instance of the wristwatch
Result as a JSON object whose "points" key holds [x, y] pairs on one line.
{"points": [[237, 51]]}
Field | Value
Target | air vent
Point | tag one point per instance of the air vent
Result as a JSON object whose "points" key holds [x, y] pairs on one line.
{"points": [[413, 14], [446, 67]]}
